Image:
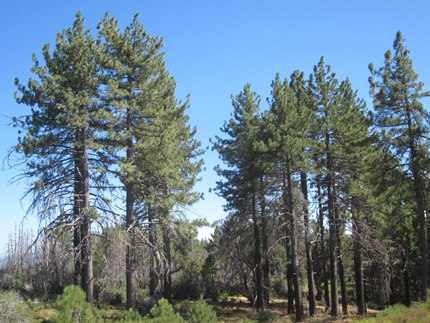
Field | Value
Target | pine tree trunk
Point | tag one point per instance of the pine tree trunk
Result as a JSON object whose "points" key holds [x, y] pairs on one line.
{"points": [[266, 267], [418, 187], [257, 256], [152, 260], [332, 234], [87, 265], [294, 258], [167, 264], [358, 267], [339, 257], [290, 284], [322, 242], [408, 300], [129, 222], [310, 267], [130, 251], [77, 276], [318, 278]]}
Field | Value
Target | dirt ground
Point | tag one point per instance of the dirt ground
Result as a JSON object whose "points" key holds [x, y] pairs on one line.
{"points": [[237, 308]]}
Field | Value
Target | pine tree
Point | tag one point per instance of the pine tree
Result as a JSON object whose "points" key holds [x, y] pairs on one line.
{"points": [[160, 165], [239, 153], [304, 102], [287, 126], [134, 66], [325, 88], [61, 140], [401, 117]]}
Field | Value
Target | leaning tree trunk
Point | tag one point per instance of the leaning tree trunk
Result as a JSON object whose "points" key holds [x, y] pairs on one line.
{"points": [[310, 267]]}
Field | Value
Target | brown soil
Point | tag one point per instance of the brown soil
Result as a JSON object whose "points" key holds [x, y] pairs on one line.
{"points": [[237, 308]]}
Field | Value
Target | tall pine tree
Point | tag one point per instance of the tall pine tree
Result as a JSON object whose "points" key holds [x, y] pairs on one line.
{"points": [[402, 120]]}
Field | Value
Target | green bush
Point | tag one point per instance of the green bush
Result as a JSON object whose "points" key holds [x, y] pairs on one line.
{"points": [[131, 316], [13, 309], [163, 313], [141, 294], [71, 307], [201, 312], [400, 313], [265, 316], [183, 306], [279, 287], [114, 296]]}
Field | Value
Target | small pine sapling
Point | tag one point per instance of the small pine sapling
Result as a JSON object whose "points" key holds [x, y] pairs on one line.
{"points": [[202, 313]]}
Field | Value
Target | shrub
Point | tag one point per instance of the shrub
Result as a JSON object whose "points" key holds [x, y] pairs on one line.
{"points": [[71, 307], [265, 316], [113, 296], [131, 316], [163, 313], [279, 287], [201, 312], [183, 306], [141, 294], [13, 309]]}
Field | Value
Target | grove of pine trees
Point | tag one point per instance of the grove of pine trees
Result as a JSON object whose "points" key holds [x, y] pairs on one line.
{"points": [[326, 199]]}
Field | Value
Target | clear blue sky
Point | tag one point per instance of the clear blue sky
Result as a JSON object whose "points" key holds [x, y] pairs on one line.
{"points": [[213, 48]]}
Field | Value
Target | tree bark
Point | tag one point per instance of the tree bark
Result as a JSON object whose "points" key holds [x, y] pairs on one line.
{"points": [[332, 233], [418, 187], [87, 265], [129, 221], [408, 300], [167, 263], [310, 267], [300, 317], [152, 260], [290, 284], [358, 267], [266, 267], [322, 242], [77, 276], [257, 256], [340, 256]]}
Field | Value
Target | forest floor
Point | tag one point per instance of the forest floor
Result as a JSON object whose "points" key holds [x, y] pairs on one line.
{"points": [[236, 309]]}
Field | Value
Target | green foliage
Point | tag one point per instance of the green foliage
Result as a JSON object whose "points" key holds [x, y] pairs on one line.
{"points": [[265, 316], [401, 313], [141, 294], [202, 313], [71, 307], [279, 287], [163, 312], [13, 309], [131, 316]]}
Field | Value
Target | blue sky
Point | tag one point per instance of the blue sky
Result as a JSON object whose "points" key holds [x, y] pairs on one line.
{"points": [[213, 48]]}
